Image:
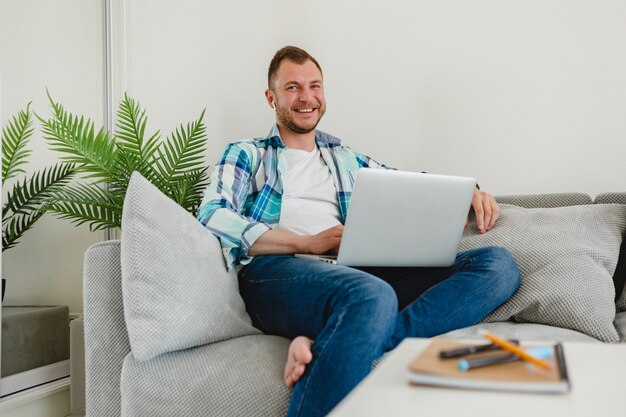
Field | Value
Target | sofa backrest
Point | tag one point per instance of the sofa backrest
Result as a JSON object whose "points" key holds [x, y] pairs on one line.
{"points": [[560, 199], [545, 200]]}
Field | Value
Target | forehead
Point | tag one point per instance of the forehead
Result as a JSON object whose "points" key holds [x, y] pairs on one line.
{"points": [[290, 71]]}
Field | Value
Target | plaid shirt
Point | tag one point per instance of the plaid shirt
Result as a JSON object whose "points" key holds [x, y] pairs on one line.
{"points": [[244, 197]]}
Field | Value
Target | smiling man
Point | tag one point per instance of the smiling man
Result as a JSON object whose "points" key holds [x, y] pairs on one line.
{"points": [[298, 99], [288, 193]]}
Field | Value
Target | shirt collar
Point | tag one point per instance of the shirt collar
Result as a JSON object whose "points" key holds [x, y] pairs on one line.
{"points": [[320, 137]]}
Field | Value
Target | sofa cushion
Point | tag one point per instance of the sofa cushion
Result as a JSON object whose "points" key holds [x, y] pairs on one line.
{"points": [[238, 377], [177, 292], [619, 278], [567, 256]]}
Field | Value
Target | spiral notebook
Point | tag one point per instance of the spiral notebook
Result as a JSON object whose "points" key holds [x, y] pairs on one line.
{"points": [[518, 376]]}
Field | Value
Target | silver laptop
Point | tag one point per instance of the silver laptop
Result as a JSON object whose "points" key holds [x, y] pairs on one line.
{"points": [[399, 218]]}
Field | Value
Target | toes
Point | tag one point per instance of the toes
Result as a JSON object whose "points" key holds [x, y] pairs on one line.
{"points": [[304, 356], [298, 357], [298, 371]]}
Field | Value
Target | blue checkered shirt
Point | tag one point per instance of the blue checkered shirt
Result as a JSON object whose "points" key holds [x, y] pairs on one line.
{"points": [[244, 196]]}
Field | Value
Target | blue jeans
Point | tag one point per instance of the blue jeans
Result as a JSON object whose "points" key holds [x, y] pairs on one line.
{"points": [[355, 315]]}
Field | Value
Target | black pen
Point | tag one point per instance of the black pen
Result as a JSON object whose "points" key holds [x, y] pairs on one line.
{"points": [[455, 353]]}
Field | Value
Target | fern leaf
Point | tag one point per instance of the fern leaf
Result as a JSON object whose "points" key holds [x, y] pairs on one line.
{"points": [[16, 227], [74, 136], [187, 189], [100, 208], [184, 151], [130, 130], [128, 163], [14, 140], [28, 195]]}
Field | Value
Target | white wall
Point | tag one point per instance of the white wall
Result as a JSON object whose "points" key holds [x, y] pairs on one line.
{"points": [[528, 96], [53, 44]]}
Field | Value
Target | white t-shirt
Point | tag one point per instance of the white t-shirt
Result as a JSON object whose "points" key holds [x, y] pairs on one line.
{"points": [[309, 202]]}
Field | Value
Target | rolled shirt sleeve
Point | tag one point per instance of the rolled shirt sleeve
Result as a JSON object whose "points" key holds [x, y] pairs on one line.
{"points": [[224, 202]]}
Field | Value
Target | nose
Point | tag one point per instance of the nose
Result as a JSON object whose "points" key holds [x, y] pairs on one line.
{"points": [[305, 94]]}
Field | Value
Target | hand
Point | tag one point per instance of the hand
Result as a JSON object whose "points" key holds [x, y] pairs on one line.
{"points": [[326, 241], [486, 209]]}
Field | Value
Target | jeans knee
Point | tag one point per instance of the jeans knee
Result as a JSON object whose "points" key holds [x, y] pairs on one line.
{"points": [[375, 302], [506, 275]]}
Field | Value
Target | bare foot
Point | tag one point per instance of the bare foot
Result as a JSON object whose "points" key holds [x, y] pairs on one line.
{"points": [[298, 357]]}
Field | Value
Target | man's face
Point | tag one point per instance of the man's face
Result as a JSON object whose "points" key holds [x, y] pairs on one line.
{"points": [[298, 96]]}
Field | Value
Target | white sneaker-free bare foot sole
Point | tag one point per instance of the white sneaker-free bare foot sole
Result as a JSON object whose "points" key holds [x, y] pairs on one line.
{"points": [[298, 357]]}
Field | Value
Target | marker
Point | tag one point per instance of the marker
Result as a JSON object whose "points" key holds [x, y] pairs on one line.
{"points": [[516, 350], [467, 364]]}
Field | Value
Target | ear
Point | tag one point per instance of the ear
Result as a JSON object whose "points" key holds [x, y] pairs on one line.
{"points": [[269, 98]]}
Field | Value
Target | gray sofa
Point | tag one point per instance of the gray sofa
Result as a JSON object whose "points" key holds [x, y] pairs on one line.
{"points": [[242, 375]]}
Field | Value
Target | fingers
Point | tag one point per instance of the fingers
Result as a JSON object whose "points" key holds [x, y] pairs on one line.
{"points": [[477, 205], [327, 241], [495, 213], [335, 230], [486, 209]]}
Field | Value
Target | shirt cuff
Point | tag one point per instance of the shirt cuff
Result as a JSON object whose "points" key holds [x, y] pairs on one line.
{"points": [[251, 234]]}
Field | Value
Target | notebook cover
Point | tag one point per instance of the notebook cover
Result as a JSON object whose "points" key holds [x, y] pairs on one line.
{"points": [[429, 369]]}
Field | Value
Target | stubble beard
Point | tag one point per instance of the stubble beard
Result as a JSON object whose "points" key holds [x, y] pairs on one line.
{"points": [[287, 121]]}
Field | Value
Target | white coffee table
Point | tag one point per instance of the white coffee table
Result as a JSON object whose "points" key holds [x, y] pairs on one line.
{"points": [[597, 372]]}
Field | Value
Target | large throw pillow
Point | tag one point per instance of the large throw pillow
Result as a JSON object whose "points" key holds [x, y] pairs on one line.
{"points": [[176, 289], [567, 257]]}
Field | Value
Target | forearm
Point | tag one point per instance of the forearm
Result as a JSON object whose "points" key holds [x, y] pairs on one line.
{"points": [[278, 242]]}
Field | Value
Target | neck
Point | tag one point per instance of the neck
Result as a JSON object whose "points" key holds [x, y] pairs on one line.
{"points": [[302, 141]]}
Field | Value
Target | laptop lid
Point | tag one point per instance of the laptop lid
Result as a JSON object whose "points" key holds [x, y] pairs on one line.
{"points": [[405, 219]]}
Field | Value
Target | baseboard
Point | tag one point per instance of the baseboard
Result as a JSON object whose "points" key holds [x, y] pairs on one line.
{"points": [[31, 396], [34, 377]]}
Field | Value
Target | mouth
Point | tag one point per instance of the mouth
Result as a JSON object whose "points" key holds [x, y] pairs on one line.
{"points": [[305, 110]]}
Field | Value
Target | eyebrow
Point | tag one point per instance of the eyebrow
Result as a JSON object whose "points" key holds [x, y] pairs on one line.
{"points": [[318, 81]]}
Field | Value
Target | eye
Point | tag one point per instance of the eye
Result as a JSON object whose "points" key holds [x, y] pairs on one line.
{"points": [[292, 88]]}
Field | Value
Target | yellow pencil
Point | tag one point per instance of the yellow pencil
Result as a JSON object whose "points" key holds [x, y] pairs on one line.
{"points": [[514, 349]]}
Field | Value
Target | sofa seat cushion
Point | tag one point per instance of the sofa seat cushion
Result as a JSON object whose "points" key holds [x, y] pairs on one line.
{"points": [[525, 332], [237, 377]]}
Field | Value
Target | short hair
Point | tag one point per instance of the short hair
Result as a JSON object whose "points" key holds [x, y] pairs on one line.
{"points": [[291, 53]]}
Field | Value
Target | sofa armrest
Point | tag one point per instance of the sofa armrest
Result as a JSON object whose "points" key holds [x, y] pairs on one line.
{"points": [[106, 337]]}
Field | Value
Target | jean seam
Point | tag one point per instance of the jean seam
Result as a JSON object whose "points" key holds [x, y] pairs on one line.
{"points": [[313, 365]]}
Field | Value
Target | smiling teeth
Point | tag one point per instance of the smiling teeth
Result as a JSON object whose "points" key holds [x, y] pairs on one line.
{"points": [[304, 110]]}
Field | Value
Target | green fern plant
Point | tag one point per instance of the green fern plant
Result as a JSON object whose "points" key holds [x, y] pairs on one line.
{"points": [[26, 202], [106, 161]]}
